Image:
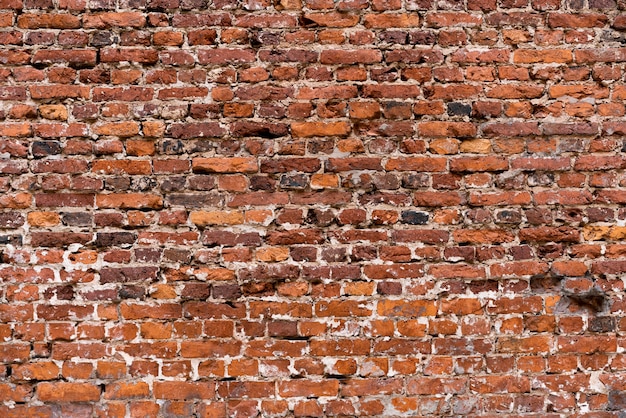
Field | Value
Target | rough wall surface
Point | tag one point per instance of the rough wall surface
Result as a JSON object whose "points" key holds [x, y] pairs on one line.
{"points": [[352, 208]]}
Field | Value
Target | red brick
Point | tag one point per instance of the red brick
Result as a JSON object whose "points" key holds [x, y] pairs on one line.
{"points": [[68, 392], [142, 56], [308, 388], [531, 56], [59, 92], [333, 19], [599, 55], [11, 4], [563, 198], [313, 129], [511, 129], [184, 390], [196, 130], [73, 58], [110, 19], [518, 269], [515, 91], [351, 347], [400, 308], [129, 201], [391, 91], [225, 56], [48, 21], [182, 93], [37, 371], [482, 236], [438, 199], [14, 393], [444, 19], [499, 384], [534, 344], [453, 92], [577, 91], [434, 386], [427, 164], [274, 348], [500, 199], [541, 164], [15, 57], [127, 390], [452, 271], [335, 92], [122, 167], [415, 56], [168, 39], [454, 129], [364, 387], [359, 56], [224, 165], [126, 94], [587, 344], [209, 349], [493, 55], [391, 20], [487, 163], [10, 353], [267, 20], [531, 304], [547, 234], [583, 20], [396, 271]]}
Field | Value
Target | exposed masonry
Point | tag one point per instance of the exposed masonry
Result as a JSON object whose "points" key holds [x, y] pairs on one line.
{"points": [[330, 208]]}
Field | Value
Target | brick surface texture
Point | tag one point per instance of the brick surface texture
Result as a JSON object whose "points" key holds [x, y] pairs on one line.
{"points": [[312, 208]]}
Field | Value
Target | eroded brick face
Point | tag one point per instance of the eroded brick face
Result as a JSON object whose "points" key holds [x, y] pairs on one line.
{"points": [[312, 208]]}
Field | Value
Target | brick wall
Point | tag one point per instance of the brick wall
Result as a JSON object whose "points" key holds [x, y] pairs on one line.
{"points": [[316, 208]]}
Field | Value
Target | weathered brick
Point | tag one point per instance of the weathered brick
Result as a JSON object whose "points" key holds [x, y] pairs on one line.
{"points": [[109, 19], [583, 20], [359, 56], [128, 201], [427, 164], [515, 91], [453, 92], [313, 129], [492, 55], [577, 91], [133, 167], [184, 390], [224, 165], [205, 218], [48, 21], [396, 271], [141, 56], [311, 208], [333, 19], [445, 129], [80, 58], [530, 56], [436, 385], [225, 56], [59, 92], [68, 392], [391, 20], [308, 388], [499, 384], [417, 56], [127, 94]]}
